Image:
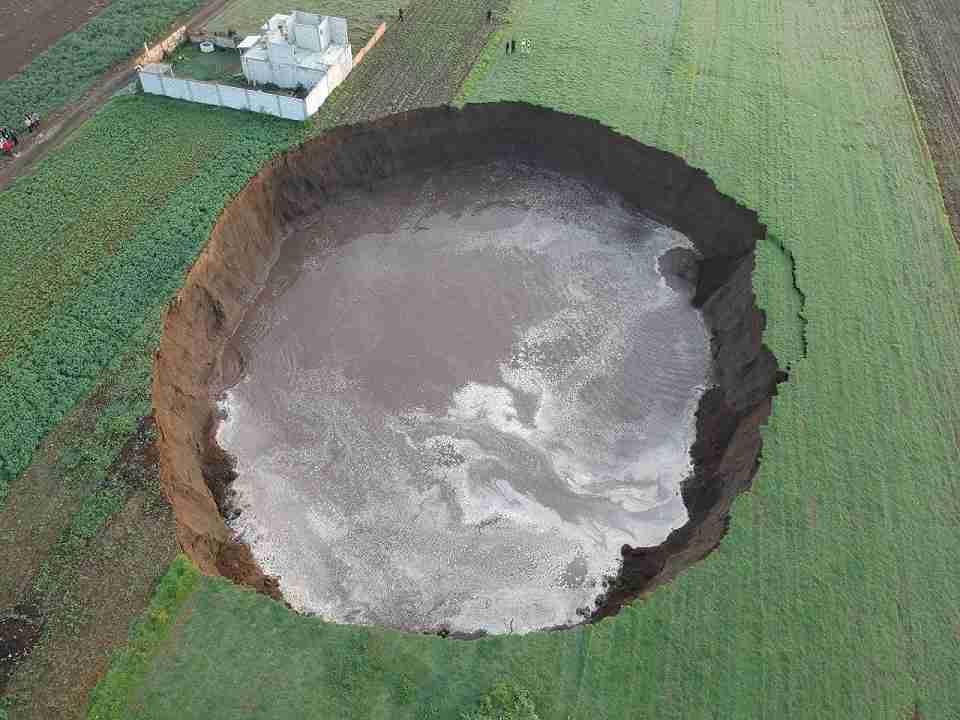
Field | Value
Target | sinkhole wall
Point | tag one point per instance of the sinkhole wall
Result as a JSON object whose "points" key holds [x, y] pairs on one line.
{"points": [[191, 369]]}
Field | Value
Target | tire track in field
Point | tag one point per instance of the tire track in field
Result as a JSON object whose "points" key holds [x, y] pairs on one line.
{"points": [[420, 62]]}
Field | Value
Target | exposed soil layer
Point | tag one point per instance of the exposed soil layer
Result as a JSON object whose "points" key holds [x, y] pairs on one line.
{"points": [[18, 634], [190, 369]]}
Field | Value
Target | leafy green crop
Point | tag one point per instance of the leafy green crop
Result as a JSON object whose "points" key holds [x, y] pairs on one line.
{"points": [[504, 703], [101, 234], [71, 65], [835, 594], [107, 227]]}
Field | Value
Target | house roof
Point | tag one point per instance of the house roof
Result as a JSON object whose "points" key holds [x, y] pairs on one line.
{"points": [[249, 41], [320, 60]]}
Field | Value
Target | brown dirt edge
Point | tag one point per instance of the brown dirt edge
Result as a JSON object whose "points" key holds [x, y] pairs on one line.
{"points": [[190, 369]]}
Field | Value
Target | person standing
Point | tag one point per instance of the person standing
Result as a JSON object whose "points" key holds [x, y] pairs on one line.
{"points": [[400, 14], [508, 47], [489, 16], [513, 46]]}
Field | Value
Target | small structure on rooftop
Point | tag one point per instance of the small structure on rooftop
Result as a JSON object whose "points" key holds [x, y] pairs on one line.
{"points": [[296, 50]]}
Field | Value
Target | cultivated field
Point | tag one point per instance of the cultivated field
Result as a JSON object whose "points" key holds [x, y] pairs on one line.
{"points": [[834, 593], [28, 27], [927, 34], [832, 596], [70, 66], [363, 16]]}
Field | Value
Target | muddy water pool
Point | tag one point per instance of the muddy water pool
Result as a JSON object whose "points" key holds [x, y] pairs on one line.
{"points": [[461, 394]]}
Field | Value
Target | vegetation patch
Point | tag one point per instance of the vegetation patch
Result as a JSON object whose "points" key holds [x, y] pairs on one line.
{"points": [[109, 698], [832, 594], [505, 702], [71, 65]]}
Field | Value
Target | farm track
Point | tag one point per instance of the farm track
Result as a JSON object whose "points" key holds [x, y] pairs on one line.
{"points": [[57, 126], [55, 573], [926, 34]]}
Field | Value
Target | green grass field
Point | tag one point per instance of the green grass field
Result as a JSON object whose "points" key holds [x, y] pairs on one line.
{"points": [[833, 596], [95, 242], [221, 66]]}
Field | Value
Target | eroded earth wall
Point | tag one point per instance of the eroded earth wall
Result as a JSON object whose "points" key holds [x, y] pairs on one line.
{"points": [[191, 369]]}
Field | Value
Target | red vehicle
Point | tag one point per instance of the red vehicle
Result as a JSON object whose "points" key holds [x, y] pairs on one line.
{"points": [[6, 146]]}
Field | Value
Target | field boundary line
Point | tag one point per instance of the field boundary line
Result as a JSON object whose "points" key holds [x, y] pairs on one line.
{"points": [[917, 122]]}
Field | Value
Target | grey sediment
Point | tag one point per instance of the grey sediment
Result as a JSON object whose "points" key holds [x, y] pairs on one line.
{"points": [[191, 370]]}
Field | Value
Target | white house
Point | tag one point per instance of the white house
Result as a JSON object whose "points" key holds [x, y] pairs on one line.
{"points": [[299, 49]]}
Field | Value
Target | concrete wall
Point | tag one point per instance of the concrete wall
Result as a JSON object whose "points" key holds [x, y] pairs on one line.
{"points": [[227, 96], [308, 78], [336, 74], [175, 88], [205, 93], [168, 44], [358, 58], [308, 36], [258, 71], [151, 84], [233, 97], [254, 100], [280, 52], [338, 30]]}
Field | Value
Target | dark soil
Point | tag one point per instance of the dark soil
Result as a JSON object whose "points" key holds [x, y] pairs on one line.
{"points": [[190, 368], [18, 635], [28, 27]]}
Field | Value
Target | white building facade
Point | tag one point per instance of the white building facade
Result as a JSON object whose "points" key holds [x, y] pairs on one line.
{"points": [[298, 50]]}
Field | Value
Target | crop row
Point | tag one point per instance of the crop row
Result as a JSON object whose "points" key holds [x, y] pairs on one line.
{"points": [[70, 66], [100, 297]]}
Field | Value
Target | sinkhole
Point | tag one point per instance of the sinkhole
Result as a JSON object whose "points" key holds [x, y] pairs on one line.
{"points": [[473, 371]]}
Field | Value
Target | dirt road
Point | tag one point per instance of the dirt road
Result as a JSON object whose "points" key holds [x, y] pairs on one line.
{"points": [[57, 126]]}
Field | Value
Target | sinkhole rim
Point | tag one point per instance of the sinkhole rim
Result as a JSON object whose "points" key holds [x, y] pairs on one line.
{"points": [[190, 366]]}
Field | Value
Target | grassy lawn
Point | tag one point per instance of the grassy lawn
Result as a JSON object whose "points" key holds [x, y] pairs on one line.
{"points": [[222, 66], [834, 594], [363, 16]]}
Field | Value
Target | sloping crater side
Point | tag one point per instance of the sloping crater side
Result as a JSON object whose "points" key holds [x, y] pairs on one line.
{"points": [[191, 367]]}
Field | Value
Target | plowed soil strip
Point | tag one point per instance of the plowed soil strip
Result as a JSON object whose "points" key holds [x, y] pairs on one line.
{"points": [[926, 34]]}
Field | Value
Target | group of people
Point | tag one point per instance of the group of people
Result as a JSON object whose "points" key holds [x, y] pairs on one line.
{"points": [[8, 140], [8, 136]]}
